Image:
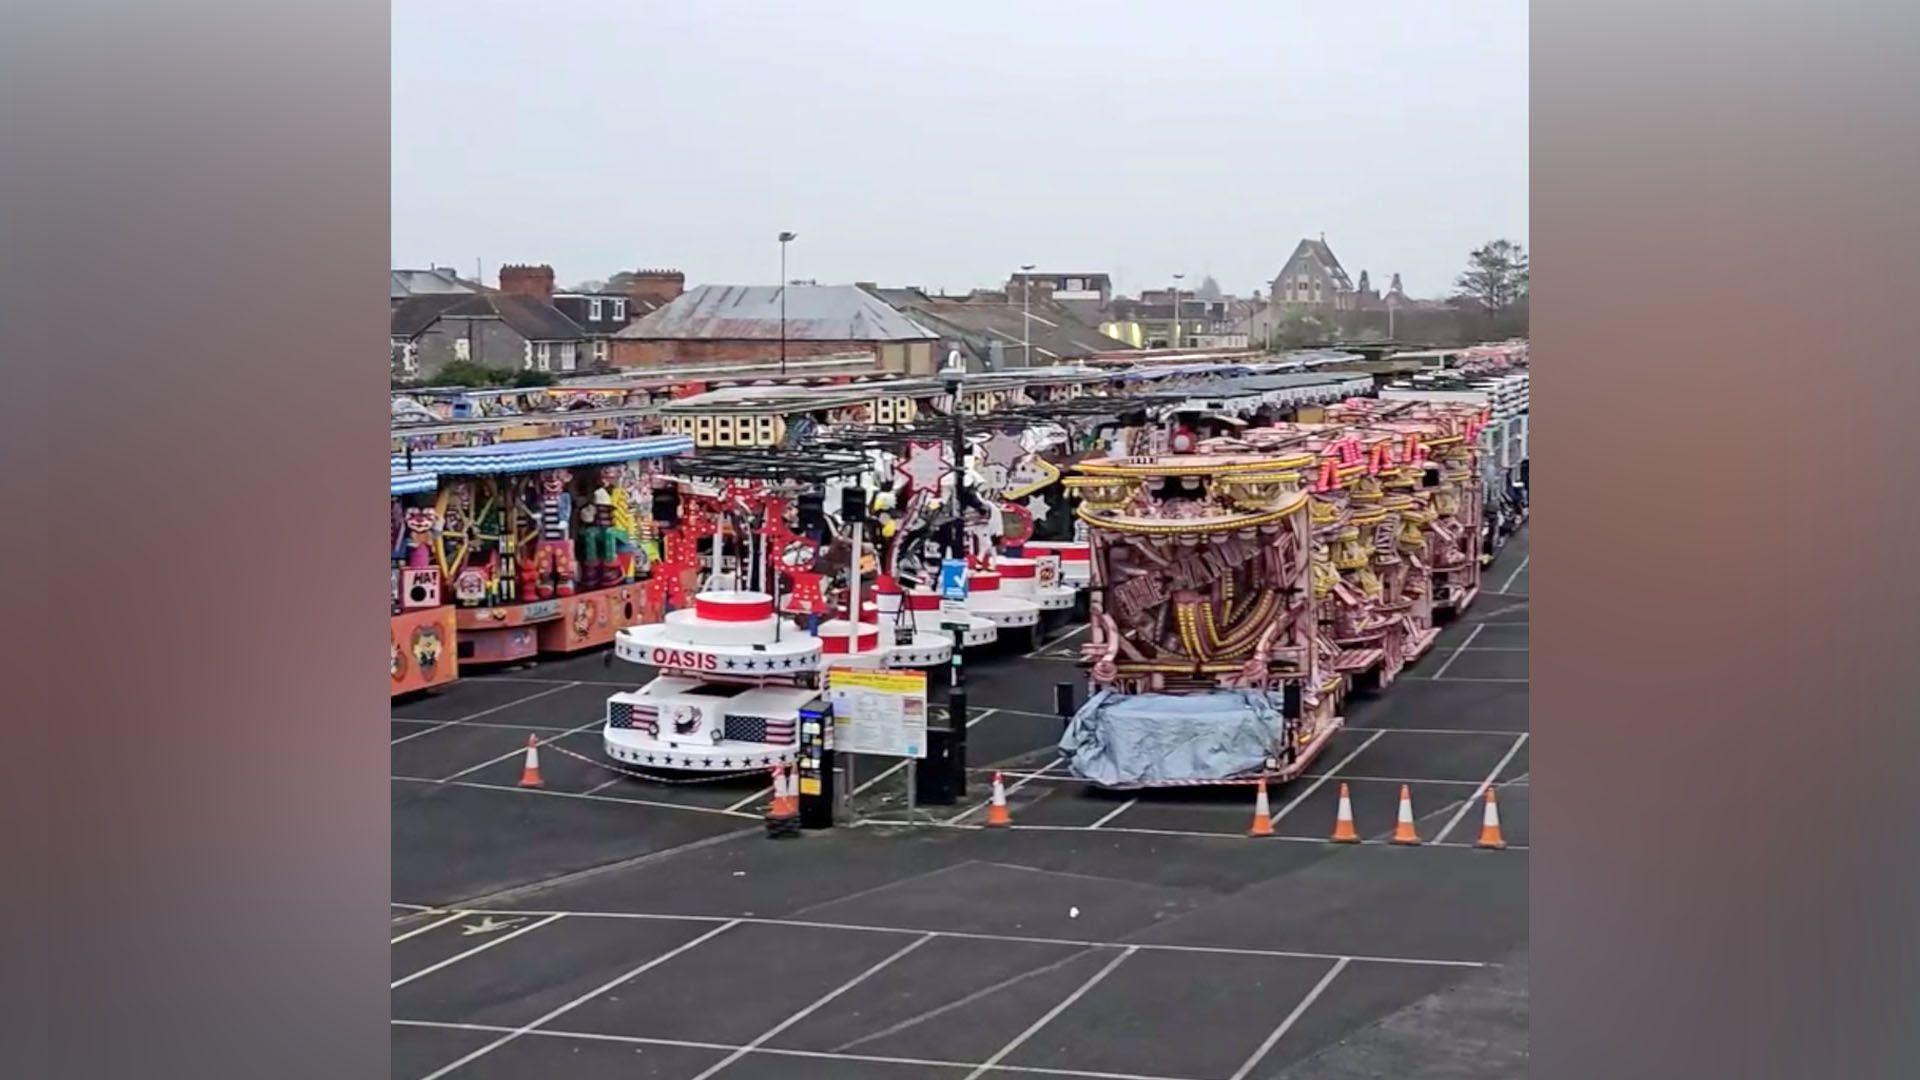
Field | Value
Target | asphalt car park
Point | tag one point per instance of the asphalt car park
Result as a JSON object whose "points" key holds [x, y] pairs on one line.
{"points": [[606, 925]]}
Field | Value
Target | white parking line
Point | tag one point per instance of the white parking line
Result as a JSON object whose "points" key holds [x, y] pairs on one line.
{"points": [[477, 949], [581, 1000], [1480, 791], [974, 717], [1130, 830], [1292, 1018], [1462, 648], [481, 713], [1047, 1017], [622, 799], [473, 723], [455, 917], [783, 1051], [970, 935], [1017, 785], [1517, 571], [810, 1009], [519, 750], [577, 682], [1341, 764], [1057, 642], [1113, 813]]}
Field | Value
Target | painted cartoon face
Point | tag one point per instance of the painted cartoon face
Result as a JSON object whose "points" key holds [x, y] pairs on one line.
{"points": [[426, 649], [610, 475], [420, 521], [555, 482]]}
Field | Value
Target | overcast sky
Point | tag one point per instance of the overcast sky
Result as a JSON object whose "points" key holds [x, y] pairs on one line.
{"points": [[943, 145]]}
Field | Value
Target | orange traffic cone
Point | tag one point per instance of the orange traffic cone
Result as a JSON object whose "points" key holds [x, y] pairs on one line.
{"points": [[1262, 818], [998, 817], [783, 817], [530, 772], [783, 803], [1343, 830], [1490, 825], [1403, 828]]}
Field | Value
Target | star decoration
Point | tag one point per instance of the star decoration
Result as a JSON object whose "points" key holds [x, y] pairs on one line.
{"points": [[925, 467], [1003, 449], [1037, 506]]}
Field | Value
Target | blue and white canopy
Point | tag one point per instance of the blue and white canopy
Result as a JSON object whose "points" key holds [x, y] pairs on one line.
{"points": [[414, 482], [535, 454]]}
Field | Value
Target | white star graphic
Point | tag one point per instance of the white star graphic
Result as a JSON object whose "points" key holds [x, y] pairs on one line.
{"points": [[925, 467], [1037, 506], [1003, 449]]}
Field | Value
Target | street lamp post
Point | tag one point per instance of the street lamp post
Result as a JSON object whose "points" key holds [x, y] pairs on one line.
{"points": [[1026, 313], [1176, 310], [784, 238]]}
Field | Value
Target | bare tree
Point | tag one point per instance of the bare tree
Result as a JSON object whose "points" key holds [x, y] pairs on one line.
{"points": [[1496, 278]]}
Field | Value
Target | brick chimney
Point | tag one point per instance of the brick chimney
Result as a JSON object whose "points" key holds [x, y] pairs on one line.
{"points": [[534, 281], [656, 286]]}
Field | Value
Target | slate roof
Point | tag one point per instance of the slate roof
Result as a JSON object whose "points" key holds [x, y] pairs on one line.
{"points": [[1056, 332], [535, 320], [813, 313], [437, 281]]}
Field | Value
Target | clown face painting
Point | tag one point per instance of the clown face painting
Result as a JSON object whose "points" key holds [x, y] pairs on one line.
{"points": [[421, 522]]}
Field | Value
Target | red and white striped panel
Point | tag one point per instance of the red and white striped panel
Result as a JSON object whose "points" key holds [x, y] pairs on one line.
{"points": [[733, 606]]}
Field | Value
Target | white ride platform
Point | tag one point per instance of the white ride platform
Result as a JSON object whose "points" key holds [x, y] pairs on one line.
{"points": [[1022, 578], [929, 618], [1076, 558], [675, 722], [1004, 610]]}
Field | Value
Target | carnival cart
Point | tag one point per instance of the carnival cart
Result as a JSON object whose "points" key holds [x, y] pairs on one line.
{"points": [[775, 583], [543, 543], [420, 634], [1202, 648]]}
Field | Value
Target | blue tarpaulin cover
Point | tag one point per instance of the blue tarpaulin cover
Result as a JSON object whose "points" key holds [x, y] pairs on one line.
{"points": [[1134, 740]]}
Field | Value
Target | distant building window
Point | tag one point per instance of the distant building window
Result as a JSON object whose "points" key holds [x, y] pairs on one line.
{"points": [[568, 357], [543, 356], [620, 310], [462, 349], [600, 350], [594, 311]]}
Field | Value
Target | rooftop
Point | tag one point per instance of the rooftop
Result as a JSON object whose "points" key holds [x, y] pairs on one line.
{"points": [[813, 313], [433, 281], [533, 319]]}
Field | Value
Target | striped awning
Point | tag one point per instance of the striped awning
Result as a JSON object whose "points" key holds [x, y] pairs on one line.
{"points": [[535, 454], [413, 483]]}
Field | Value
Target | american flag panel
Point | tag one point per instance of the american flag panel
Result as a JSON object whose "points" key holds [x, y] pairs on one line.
{"points": [[778, 731], [623, 714]]}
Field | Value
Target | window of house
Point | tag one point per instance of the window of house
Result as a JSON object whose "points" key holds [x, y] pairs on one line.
{"points": [[543, 356], [593, 308], [462, 349], [568, 356], [600, 350], [619, 310]]}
